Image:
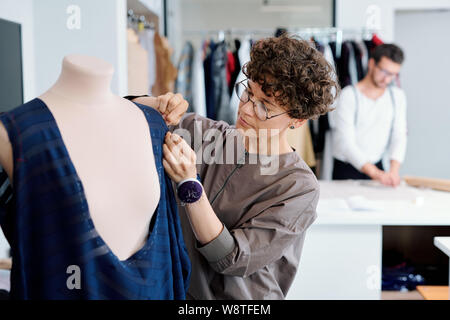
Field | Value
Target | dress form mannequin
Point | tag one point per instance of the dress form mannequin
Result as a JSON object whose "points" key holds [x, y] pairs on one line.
{"points": [[109, 143]]}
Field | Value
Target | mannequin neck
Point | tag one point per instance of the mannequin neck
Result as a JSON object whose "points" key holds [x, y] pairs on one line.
{"points": [[84, 80]]}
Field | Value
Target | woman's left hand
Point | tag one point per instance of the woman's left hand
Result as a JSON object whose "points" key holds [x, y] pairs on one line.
{"points": [[179, 158]]}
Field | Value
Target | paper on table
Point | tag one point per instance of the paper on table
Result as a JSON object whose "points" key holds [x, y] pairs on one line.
{"points": [[332, 204], [360, 203], [354, 203]]}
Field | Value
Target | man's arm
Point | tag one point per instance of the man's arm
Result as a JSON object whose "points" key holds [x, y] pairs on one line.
{"points": [[399, 135]]}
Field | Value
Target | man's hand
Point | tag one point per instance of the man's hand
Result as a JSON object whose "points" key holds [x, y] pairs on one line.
{"points": [[393, 172], [376, 174], [395, 177], [171, 106]]}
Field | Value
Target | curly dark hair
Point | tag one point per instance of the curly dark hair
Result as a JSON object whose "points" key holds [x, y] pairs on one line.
{"points": [[298, 76]]}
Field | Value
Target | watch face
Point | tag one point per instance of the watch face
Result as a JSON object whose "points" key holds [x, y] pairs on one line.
{"points": [[190, 191]]}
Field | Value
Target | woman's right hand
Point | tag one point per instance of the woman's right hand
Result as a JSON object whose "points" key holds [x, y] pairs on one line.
{"points": [[171, 106]]}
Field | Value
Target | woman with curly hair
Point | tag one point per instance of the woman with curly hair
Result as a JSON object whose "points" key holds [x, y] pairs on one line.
{"points": [[244, 224]]}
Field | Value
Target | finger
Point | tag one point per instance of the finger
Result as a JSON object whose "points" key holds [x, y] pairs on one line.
{"points": [[183, 147], [148, 101], [173, 144], [186, 149], [170, 157], [168, 141], [174, 102], [174, 116], [163, 101], [177, 143], [169, 170]]}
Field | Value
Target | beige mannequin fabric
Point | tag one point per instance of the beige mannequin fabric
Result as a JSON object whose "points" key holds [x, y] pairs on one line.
{"points": [[300, 140], [138, 79]]}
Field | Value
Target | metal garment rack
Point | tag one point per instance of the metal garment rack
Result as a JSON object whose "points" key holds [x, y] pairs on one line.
{"points": [[332, 32], [139, 20]]}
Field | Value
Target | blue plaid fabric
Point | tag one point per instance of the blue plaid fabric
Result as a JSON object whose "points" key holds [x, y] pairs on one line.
{"points": [[48, 226]]}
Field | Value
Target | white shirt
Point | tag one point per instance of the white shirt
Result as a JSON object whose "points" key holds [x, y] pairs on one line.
{"points": [[367, 140]]}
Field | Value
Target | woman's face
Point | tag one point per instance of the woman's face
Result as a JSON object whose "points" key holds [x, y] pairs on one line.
{"points": [[251, 124]]}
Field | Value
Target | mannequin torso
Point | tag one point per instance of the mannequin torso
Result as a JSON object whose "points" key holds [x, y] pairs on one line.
{"points": [[109, 143]]}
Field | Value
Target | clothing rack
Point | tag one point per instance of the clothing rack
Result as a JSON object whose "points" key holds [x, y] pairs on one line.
{"points": [[139, 20], [337, 33]]}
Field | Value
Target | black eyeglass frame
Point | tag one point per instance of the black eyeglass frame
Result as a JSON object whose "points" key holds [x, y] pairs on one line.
{"points": [[236, 88]]}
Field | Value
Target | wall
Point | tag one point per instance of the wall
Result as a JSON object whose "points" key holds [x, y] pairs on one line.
{"points": [[353, 13], [425, 81], [102, 34]]}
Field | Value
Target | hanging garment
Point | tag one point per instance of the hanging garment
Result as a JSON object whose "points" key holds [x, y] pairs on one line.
{"points": [[244, 57], [231, 65], [147, 41], [183, 83], [166, 73], [237, 66], [198, 84], [364, 56], [320, 132], [137, 65], [342, 62], [376, 40], [209, 83], [219, 78], [300, 140], [358, 61], [50, 230], [352, 69]]}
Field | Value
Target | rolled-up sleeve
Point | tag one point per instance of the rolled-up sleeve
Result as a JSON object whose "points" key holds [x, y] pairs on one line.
{"points": [[218, 248], [264, 239]]}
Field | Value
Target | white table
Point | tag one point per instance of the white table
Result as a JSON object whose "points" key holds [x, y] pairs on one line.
{"points": [[342, 253], [443, 243]]}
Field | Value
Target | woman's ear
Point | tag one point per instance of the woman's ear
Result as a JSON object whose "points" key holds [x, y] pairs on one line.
{"points": [[297, 123]]}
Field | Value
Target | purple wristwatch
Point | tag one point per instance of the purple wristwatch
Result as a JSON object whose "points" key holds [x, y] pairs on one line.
{"points": [[189, 191]]}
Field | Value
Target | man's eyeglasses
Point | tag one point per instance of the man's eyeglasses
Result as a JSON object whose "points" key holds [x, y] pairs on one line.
{"points": [[258, 107], [387, 73]]}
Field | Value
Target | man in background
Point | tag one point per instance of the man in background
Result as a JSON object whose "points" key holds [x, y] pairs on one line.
{"points": [[370, 121]]}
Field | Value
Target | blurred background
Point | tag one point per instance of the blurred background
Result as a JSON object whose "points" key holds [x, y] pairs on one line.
{"points": [[158, 46]]}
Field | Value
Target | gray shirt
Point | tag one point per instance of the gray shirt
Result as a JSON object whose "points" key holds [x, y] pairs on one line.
{"points": [[265, 218]]}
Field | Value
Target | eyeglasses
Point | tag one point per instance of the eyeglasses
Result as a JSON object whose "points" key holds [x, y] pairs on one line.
{"points": [[258, 107], [387, 73]]}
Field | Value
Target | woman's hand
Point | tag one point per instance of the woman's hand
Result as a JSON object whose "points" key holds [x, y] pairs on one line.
{"points": [[179, 158], [171, 106]]}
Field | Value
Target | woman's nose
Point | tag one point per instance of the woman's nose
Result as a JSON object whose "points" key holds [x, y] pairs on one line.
{"points": [[247, 107]]}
